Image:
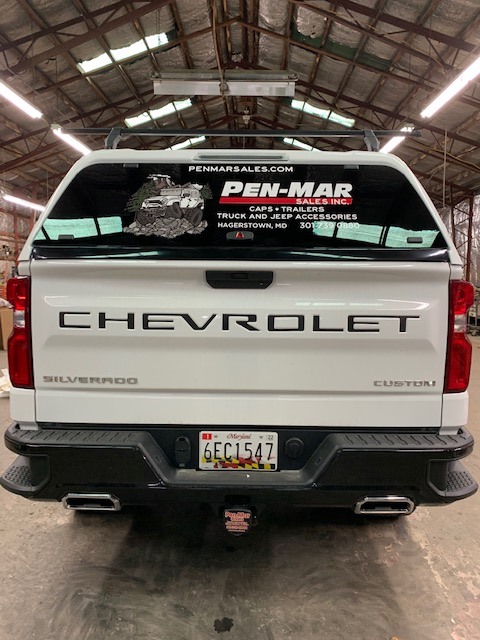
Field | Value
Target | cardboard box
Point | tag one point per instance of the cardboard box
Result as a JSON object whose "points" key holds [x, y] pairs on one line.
{"points": [[6, 325]]}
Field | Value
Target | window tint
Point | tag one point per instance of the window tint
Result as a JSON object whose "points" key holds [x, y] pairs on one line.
{"points": [[314, 207]]}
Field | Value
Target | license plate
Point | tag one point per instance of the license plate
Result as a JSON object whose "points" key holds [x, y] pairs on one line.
{"points": [[238, 450]]}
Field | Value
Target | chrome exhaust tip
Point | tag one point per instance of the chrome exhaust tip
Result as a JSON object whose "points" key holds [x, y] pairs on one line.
{"points": [[91, 502], [385, 506]]}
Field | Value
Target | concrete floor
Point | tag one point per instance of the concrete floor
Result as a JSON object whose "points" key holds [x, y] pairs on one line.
{"points": [[301, 575]]}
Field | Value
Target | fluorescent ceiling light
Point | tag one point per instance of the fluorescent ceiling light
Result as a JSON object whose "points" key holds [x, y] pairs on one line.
{"points": [[19, 102], [130, 51], [394, 142], [155, 114], [467, 75], [234, 82], [24, 203], [70, 140], [326, 114], [301, 145], [187, 143]]}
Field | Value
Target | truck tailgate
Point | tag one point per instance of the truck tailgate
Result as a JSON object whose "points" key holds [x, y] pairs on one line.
{"points": [[358, 344]]}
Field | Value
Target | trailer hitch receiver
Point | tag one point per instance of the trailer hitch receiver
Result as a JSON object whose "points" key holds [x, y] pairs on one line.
{"points": [[237, 520]]}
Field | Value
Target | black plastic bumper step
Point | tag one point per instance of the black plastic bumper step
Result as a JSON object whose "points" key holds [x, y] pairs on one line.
{"points": [[24, 477], [18, 474], [459, 481]]}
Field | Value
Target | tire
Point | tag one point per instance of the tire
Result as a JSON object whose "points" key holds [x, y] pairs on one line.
{"points": [[194, 216], [175, 211]]}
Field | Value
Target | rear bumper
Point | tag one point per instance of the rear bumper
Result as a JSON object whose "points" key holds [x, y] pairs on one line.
{"points": [[136, 467]]}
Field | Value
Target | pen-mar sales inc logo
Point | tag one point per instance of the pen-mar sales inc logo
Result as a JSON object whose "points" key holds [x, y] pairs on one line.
{"points": [[322, 193]]}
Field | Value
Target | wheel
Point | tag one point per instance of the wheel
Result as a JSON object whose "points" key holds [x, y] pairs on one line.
{"points": [[175, 211], [194, 216]]}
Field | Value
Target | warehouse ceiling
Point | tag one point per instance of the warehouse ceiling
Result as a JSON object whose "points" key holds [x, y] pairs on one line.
{"points": [[375, 62]]}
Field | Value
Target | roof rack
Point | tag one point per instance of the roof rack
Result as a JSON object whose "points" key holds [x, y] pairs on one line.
{"points": [[370, 136]]}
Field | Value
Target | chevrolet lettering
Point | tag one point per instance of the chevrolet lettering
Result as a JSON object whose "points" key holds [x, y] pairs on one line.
{"points": [[228, 321], [240, 328]]}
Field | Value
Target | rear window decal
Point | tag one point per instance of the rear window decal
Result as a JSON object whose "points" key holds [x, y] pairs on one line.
{"points": [[317, 207], [167, 210]]}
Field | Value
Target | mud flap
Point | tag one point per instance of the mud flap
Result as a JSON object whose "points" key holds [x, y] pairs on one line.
{"points": [[237, 520]]}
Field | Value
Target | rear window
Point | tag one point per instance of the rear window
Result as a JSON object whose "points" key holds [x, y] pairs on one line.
{"points": [[296, 208]]}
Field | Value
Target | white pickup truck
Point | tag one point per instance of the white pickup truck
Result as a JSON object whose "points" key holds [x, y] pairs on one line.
{"points": [[303, 343]]}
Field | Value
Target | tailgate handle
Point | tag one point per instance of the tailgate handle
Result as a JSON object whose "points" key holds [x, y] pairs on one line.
{"points": [[239, 279]]}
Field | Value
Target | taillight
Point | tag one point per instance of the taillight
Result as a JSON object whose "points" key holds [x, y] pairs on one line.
{"points": [[459, 349], [20, 341]]}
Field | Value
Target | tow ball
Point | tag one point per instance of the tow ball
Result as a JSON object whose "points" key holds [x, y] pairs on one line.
{"points": [[238, 520]]}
